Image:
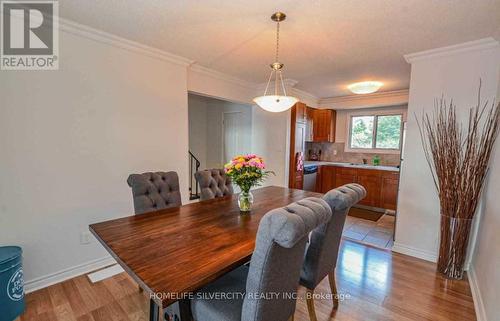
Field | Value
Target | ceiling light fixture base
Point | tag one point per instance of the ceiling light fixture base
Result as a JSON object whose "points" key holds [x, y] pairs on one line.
{"points": [[276, 65], [278, 16]]}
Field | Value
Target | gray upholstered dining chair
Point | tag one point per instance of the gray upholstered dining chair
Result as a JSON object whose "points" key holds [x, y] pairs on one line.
{"points": [[154, 191], [274, 268], [213, 183], [323, 247]]}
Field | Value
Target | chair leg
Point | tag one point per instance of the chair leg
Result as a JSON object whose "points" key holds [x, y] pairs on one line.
{"points": [[310, 305], [333, 287]]}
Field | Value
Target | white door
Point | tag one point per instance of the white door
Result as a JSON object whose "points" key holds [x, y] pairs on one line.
{"points": [[232, 135]]}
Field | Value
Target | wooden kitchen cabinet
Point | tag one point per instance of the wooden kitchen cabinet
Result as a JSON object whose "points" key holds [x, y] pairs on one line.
{"points": [[371, 180], [381, 186], [389, 190], [324, 125], [301, 112], [325, 179], [345, 175]]}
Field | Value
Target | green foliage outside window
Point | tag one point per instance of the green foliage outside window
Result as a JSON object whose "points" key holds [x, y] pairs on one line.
{"points": [[387, 134], [362, 132], [388, 131]]}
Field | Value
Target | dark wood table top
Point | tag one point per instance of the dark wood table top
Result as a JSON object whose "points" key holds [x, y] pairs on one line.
{"points": [[179, 250]]}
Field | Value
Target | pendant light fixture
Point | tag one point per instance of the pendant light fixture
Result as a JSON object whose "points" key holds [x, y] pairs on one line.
{"points": [[276, 103]]}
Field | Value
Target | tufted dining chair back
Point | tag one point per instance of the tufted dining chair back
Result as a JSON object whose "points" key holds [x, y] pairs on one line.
{"points": [[213, 183], [278, 256], [323, 248], [154, 191]]}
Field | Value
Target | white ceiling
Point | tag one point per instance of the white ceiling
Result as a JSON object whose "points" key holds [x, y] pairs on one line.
{"points": [[325, 45]]}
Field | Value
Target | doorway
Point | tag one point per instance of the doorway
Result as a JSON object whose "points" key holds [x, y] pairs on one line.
{"points": [[232, 135], [218, 131]]}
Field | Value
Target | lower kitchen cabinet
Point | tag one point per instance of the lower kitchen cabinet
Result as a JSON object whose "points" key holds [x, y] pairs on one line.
{"points": [[381, 186], [371, 181], [325, 178], [344, 175], [389, 190]]}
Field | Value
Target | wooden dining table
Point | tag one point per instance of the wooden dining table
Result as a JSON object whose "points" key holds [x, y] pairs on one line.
{"points": [[173, 252]]}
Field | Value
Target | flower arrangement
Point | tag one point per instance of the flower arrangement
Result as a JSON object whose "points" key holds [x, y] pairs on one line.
{"points": [[246, 171]]}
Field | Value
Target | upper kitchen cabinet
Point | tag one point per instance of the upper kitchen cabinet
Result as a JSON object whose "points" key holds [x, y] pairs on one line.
{"points": [[300, 112], [309, 124], [324, 125]]}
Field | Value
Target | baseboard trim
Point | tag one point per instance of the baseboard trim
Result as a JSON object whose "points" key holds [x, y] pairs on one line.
{"points": [[66, 274], [476, 295], [412, 251]]}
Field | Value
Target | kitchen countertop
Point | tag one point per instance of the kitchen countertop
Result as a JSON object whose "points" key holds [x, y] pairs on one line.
{"points": [[379, 167]]}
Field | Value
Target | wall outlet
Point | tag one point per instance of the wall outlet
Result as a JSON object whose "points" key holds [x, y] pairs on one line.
{"points": [[335, 152], [85, 237]]}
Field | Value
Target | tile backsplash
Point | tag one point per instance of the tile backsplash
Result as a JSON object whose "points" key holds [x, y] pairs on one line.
{"points": [[334, 152]]}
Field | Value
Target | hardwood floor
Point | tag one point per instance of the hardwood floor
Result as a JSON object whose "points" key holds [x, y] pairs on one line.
{"points": [[377, 284]]}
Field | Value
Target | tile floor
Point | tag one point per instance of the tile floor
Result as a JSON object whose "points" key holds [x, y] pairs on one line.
{"points": [[377, 233]]}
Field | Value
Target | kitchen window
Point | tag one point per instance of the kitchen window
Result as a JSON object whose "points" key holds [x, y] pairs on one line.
{"points": [[375, 132]]}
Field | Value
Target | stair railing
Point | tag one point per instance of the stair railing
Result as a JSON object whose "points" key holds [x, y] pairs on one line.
{"points": [[194, 166]]}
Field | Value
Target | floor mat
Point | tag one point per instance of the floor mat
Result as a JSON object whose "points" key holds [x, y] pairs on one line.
{"points": [[365, 214]]}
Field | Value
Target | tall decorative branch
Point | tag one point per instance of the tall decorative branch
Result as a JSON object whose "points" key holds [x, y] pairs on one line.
{"points": [[458, 158]]}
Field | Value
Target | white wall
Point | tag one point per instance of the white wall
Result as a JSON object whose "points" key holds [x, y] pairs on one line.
{"points": [[485, 264], [69, 139], [270, 140], [484, 272], [198, 127], [454, 73]]}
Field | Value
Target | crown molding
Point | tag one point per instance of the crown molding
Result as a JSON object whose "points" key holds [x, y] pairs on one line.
{"points": [[305, 97], [387, 98], [222, 76], [87, 32], [80, 30], [481, 44], [84, 31]]}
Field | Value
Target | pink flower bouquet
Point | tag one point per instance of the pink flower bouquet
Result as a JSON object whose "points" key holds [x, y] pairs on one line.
{"points": [[247, 171]]}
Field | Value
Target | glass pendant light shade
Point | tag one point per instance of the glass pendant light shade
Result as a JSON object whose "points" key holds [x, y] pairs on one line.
{"points": [[275, 103]]}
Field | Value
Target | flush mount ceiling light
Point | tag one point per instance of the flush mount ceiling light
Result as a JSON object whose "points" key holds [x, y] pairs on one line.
{"points": [[365, 87], [276, 103]]}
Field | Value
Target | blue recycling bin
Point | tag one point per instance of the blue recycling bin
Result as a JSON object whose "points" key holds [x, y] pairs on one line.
{"points": [[11, 283]]}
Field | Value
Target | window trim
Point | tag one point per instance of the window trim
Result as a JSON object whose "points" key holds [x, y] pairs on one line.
{"points": [[374, 150]]}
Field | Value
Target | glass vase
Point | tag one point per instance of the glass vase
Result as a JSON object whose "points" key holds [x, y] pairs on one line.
{"points": [[454, 240], [245, 201]]}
